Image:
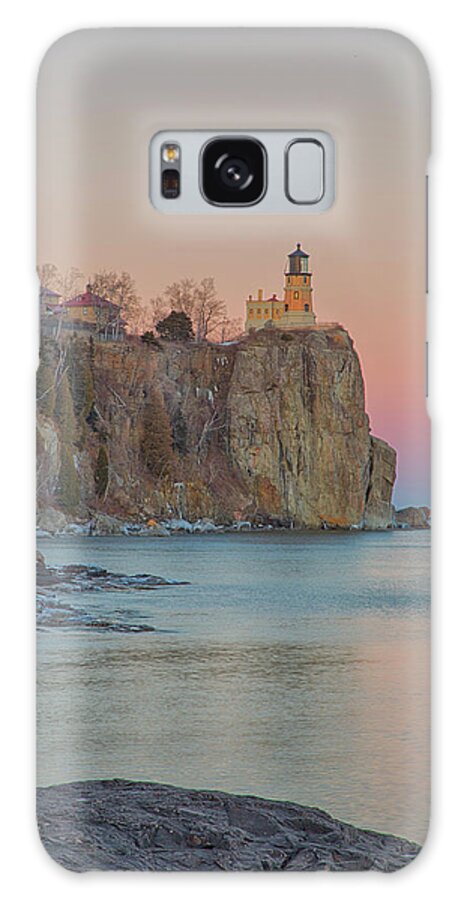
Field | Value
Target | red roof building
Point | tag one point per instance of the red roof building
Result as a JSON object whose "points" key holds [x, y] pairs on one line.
{"points": [[90, 311]]}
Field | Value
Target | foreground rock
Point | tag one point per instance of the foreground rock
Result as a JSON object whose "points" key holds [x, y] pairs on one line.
{"points": [[135, 825]]}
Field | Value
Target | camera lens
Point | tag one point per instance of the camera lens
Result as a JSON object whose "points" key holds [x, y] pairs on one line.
{"points": [[233, 171]]}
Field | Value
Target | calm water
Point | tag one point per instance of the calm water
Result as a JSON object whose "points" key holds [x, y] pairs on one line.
{"points": [[294, 666]]}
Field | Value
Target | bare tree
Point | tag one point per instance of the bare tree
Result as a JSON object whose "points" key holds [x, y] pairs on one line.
{"points": [[210, 310], [200, 301], [156, 310], [49, 276], [180, 295], [72, 283], [67, 284], [120, 288], [230, 330]]}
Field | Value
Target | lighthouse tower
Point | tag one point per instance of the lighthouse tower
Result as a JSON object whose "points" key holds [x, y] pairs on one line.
{"points": [[298, 292], [296, 309]]}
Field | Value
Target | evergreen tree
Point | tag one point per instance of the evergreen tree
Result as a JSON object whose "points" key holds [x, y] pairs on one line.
{"points": [[177, 326], [80, 375], [45, 387], [200, 301], [92, 418], [68, 490], [64, 410], [149, 338], [101, 472], [156, 438], [179, 432]]}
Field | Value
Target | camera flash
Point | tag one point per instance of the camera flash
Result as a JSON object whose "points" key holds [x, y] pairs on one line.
{"points": [[170, 153]]}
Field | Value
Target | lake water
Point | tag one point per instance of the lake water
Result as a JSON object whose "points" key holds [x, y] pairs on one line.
{"points": [[293, 666]]}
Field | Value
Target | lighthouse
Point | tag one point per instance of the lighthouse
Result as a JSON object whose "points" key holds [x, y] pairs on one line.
{"points": [[296, 309], [298, 292]]}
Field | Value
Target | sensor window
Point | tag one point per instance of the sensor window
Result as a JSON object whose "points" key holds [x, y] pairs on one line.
{"points": [[305, 171], [170, 184]]}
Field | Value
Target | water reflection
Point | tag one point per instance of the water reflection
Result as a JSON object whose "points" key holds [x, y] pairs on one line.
{"points": [[253, 693]]}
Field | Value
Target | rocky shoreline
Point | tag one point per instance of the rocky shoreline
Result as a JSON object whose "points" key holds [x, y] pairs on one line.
{"points": [[54, 522], [129, 825]]}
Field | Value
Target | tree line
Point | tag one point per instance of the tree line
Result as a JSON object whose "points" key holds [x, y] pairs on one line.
{"points": [[185, 310]]}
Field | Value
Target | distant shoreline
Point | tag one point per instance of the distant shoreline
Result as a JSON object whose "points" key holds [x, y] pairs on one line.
{"points": [[119, 824]]}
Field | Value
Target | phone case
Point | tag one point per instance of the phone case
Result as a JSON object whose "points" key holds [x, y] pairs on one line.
{"points": [[233, 464]]}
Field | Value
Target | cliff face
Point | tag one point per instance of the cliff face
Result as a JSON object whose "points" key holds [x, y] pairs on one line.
{"points": [[382, 474], [272, 428], [296, 419]]}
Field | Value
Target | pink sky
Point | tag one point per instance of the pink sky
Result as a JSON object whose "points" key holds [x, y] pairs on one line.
{"points": [[104, 93]]}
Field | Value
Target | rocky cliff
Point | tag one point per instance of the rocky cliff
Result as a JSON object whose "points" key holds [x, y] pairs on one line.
{"points": [[270, 429]]}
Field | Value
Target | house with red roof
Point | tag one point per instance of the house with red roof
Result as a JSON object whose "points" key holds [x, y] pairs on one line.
{"points": [[90, 312]]}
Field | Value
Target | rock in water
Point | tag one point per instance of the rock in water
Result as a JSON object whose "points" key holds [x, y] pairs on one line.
{"points": [[145, 826], [412, 517]]}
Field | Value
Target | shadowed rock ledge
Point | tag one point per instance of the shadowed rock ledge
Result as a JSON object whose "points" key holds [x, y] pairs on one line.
{"points": [[136, 825]]}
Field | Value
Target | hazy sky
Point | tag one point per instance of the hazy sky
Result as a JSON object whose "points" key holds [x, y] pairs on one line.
{"points": [[104, 93]]}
